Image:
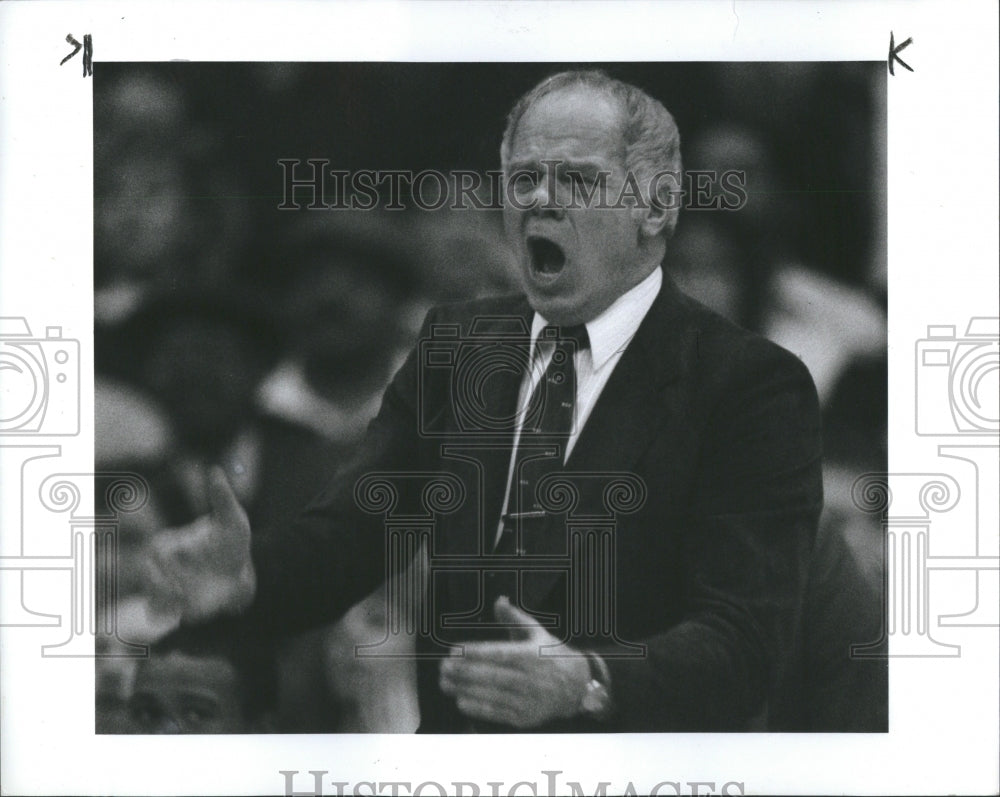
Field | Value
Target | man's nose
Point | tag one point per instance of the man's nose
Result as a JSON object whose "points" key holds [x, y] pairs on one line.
{"points": [[546, 199]]}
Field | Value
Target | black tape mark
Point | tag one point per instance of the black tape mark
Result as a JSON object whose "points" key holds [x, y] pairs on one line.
{"points": [[76, 48], [894, 53], [88, 56], [88, 53]]}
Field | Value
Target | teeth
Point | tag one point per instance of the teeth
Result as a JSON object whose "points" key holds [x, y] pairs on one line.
{"points": [[547, 257]]}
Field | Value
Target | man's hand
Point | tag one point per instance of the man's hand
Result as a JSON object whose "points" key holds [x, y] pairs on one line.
{"points": [[512, 682], [204, 569]]}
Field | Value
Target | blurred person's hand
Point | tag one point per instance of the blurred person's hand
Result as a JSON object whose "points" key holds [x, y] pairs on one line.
{"points": [[204, 569]]}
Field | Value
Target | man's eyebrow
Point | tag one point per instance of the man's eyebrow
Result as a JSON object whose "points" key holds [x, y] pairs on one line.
{"points": [[524, 164], [586, 166]]}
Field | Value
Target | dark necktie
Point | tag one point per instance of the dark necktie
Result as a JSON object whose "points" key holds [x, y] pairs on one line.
{"points": [[547, 422]]}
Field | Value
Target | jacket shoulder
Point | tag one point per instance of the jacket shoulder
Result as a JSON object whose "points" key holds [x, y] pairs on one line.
{"points": [[721, 348]]}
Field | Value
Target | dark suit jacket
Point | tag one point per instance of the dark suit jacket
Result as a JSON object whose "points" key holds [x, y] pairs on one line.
{"points": [[714, 435]]}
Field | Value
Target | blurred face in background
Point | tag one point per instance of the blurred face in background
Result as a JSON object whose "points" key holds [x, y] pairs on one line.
{"points": [[141, 212], [707, 266], [178, 692], [205, 373], [574, 261], [342, 314]]}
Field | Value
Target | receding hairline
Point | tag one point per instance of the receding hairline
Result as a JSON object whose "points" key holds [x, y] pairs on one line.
{"points": [[647, 131], [593, 82], [615, 127]]}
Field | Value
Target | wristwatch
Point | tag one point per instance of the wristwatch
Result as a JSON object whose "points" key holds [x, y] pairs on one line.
{"points": [[596, 702]]}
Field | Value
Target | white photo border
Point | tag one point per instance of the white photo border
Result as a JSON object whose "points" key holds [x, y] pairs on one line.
{"points": [[942, 245]]}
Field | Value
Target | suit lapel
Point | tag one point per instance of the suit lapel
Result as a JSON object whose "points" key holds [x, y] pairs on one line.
{"points": [[490, 452], [627, 412]]}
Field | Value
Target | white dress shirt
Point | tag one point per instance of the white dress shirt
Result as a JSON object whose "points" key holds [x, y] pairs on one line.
{"points": [[610, 334]]}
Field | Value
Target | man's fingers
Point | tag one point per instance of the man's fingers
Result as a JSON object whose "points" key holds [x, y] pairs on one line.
{"points": [[161, 584], [184, 545], [520, 624], [226, 508], [486, 710], [500, 652], [487, 695], [460, 676]]}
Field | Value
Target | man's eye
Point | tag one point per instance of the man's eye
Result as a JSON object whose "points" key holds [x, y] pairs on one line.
{"points": [[582, 179], [525, 180]]}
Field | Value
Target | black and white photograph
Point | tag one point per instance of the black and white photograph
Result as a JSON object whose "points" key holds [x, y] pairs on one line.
{"points": [[498, 398], [343, 302]]}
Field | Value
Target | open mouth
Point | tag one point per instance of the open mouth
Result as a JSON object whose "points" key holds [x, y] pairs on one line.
{"points": [[547, 257]]}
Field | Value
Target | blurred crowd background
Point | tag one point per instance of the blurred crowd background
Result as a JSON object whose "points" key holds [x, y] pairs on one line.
{"points": [[230, 332]]}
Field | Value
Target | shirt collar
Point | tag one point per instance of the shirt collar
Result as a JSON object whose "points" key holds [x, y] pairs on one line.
{"points": [[611, 331]]}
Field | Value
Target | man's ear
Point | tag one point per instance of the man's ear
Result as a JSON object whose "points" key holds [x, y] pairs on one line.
{"points": [[653, 218]]}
